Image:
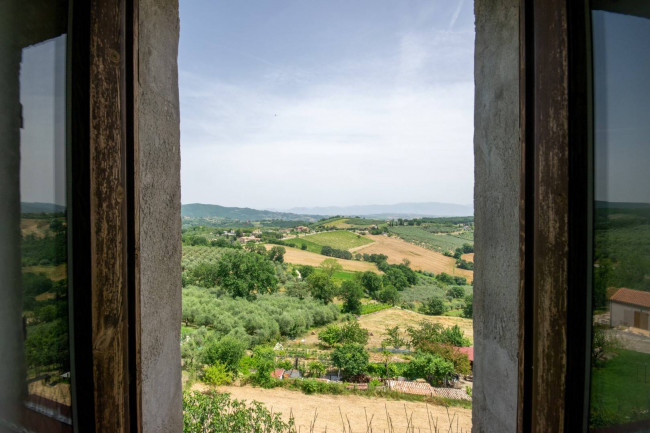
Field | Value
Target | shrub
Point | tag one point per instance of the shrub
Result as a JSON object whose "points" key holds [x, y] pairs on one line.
{"points": [[217, 413], [456, 292], [227, 351], [217, 374], [435, 307], [351, 358]]}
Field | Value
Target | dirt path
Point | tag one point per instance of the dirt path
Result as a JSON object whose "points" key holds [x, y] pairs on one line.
{"points": [[421, 258], [354, 409]]}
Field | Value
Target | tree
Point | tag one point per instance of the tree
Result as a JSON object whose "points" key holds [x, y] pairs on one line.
{"points": [[330, 267], [456, 292], [321, 286], [352, 293], [388, 295], [276, 254], [393, 338], [435, 307], [244, 274], [350, 332], [316, 369], [433, 368], [264, 363], [371, 282], [227, 351], [468, 310], [351, 358], [330, 335], [396, 278], [297, 289]]}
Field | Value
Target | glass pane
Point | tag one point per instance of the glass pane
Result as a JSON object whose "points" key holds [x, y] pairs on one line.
{"points": [[35, 373], [620, 385]]}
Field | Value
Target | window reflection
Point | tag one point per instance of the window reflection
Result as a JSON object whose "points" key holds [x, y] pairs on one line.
{"points": [[43, 227], [620, 384]]}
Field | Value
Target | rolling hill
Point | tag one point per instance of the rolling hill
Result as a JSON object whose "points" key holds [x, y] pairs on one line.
{"points": [[199, 210], [400, 210]]}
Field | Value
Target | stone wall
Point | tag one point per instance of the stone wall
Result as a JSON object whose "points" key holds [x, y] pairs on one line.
{"points": [[158, 172], [496, 204]]}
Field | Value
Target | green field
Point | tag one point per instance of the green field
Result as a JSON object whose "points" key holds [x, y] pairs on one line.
{"points": [[339, 239], [620, 390], [435, 241], [341, 276], [299, 242]]}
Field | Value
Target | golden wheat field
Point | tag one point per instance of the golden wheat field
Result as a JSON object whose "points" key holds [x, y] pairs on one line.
{"points": [[300, 257], [359, 414], [421, 258]]}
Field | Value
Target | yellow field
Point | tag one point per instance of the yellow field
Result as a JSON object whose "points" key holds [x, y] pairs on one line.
{"points": [[300, 257], [340, 224], [36, 227], [469, 257], [327, 411], [54, 273], [421, 258]]}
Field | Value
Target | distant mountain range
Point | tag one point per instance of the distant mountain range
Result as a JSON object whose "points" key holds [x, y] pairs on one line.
{"points": [[26, 207], [400, 210], [198, 210]]}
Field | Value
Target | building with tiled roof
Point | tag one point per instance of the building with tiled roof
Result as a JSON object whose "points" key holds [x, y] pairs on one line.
{"points": [[629, 307]]}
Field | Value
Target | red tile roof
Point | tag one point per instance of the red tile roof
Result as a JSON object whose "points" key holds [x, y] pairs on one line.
{"points": [[633, 297], [469, 351]]}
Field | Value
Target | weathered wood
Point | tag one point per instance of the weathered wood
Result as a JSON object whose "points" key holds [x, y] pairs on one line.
{"points": [[108, 215], [551, 215]]}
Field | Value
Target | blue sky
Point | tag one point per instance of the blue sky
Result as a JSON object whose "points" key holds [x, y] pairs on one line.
{"points": [[313, 103]]}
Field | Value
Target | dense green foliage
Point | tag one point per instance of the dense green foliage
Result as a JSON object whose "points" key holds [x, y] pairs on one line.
{"points": [[218, 413], [351, 292], [241, 273], [349, 332], [351, 358], [433, 368], [264, 320], [621, 248], [435, 307], [427, 332]]}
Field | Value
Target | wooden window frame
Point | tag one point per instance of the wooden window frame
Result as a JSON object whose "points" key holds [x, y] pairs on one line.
{"points": [[105, 316]]}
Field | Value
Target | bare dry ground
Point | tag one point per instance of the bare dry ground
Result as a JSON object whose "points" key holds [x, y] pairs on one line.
{"points": [[421, 258], [469, 257], [300, 257], [353, 408]]}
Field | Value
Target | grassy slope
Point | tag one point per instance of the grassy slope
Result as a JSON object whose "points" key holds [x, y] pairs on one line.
{"points": [[339, 239], [311, 246]]}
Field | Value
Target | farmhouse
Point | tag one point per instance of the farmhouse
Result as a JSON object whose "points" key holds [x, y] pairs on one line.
{"points": [[630, 308]]}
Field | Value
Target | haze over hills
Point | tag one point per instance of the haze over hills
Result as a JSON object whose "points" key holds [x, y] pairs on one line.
{"points": [[199, 210], [399, 210], [36, 207]]}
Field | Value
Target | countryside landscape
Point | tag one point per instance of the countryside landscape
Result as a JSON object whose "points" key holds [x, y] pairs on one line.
{"points": [[320, 317], [335, 323]]}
